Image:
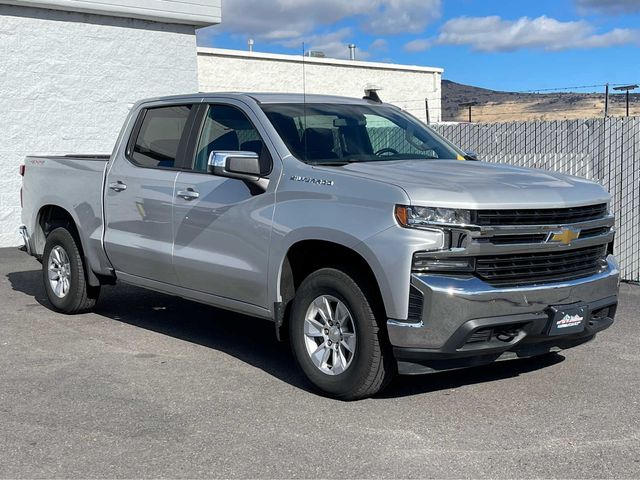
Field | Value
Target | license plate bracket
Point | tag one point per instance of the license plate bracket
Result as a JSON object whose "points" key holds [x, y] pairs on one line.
{"points": [[567, 319]]}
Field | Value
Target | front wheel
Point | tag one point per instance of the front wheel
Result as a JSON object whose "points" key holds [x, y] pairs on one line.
{"points": [[63, 272], [336, 338]]}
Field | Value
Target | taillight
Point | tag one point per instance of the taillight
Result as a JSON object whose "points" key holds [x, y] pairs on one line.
{"points": [[22, 169]]}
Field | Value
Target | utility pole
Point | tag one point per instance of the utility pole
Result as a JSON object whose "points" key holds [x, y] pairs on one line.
{"points": [[469, 105], [606, 100], [426, 109], [626, 89]]}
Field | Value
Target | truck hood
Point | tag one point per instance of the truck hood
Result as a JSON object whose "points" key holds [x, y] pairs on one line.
{"points": [[476, 185]]}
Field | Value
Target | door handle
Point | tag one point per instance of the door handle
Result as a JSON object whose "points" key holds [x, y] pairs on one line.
{"points": [[118, 186], [188, 194]]}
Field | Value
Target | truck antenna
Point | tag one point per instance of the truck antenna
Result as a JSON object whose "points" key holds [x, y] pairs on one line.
{"points": [[304, 102]]}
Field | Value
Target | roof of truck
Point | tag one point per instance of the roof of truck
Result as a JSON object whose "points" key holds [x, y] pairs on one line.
{"points": [[266, 97]]}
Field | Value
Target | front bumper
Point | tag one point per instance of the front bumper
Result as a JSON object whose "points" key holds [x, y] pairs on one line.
{"points": [[467, 322]]}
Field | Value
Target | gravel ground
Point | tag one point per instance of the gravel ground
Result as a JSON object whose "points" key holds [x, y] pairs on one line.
{"points": [[155, 386]]}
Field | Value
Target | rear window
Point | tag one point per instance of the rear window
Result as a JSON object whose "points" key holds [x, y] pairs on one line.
{"points": [[159, 136]]}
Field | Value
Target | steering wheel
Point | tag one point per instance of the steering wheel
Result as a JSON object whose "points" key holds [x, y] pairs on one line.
{"points": [[385, 151]]}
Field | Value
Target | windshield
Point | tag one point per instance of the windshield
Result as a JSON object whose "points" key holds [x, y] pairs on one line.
{"points": [[335, 134]]}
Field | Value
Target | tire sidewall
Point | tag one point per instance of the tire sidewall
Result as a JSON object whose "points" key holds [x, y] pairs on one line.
{"points": [[62, 238], [343, 287]]}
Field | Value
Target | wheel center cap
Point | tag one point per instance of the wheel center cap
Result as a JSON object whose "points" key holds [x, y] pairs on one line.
{"points": [[334, 334]]}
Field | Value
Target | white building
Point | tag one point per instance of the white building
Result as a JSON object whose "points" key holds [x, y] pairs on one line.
{"points": [[70, 69], [67, 75], [407, 86]]}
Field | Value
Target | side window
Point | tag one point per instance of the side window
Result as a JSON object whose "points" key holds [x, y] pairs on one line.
{"points": [[159, 137], [228, 129]]}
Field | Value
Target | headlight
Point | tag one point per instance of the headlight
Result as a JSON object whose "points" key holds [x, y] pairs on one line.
{"points": [[425, 216]]}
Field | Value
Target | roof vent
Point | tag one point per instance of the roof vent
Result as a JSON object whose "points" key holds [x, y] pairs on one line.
{"points": [[352, 51]]}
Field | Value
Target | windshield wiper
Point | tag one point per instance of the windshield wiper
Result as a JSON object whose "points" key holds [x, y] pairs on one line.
{"points": [[333, 163]]}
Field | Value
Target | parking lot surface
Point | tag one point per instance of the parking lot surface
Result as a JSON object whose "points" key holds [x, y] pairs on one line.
{"points": [[155, 386]]}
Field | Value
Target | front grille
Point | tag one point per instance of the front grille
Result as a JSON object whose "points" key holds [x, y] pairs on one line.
{"points": [[515, 239], [521, 238], [543, 216], [530, 268], [594, 232]]}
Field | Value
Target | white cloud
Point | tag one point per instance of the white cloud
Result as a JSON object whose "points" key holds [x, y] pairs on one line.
{"points": [[390, 17], [290, 22], [380, 45], [494, 34], [608, 7], [419, 45]]}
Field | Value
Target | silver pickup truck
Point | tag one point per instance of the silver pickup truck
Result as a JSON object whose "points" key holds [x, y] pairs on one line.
{"points": [[374, 245]]}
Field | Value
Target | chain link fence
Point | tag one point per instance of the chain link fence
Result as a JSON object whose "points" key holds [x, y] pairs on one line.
{"points": [[603, 150]]}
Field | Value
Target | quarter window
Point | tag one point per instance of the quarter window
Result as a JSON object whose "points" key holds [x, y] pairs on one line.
{"points": [[158, 141]]}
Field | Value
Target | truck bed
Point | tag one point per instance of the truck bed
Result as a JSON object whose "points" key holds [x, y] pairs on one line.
{"points": [[73, 182]]}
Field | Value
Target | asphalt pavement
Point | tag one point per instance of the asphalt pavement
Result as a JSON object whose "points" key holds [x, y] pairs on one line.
{"points": [[155, 386]]}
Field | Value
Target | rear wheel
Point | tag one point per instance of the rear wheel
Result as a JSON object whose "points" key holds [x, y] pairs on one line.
{"points": [[336, 337], [64, 275]]}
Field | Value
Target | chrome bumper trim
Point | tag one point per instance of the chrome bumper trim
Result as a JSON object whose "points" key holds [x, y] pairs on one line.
{"points": [[450, 302]]}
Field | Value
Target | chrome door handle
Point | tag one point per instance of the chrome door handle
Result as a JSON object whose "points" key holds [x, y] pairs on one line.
{"points": [[188, 194], [118, 186]]}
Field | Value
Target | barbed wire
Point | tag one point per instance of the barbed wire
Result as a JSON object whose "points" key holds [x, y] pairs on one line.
{"points": [[581, 87]]}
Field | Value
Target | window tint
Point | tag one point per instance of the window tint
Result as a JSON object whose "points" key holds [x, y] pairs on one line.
{"points": [[159, 137], [227, 128]]}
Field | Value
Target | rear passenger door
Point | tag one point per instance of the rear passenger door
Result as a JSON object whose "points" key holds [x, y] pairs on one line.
{"points": [[139, 193], [222, 225]]}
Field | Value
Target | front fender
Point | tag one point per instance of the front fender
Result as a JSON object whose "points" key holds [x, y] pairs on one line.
{"points": [[345, 210]]}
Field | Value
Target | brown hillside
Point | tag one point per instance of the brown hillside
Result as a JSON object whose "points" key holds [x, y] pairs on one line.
{"points": [[497, 106]]}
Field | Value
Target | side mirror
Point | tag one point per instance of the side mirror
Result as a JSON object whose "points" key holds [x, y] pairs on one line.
{"points": [[471, 155], [240, 165]]}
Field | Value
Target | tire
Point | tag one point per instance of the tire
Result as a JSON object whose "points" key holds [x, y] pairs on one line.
{"points": [[62, 260], [361, 370]]}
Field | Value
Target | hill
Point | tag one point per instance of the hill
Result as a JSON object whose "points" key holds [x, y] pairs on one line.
{"points": [[498, 106]]}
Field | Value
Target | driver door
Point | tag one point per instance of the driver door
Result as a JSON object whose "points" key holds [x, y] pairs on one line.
{"points": [[223, 225]]}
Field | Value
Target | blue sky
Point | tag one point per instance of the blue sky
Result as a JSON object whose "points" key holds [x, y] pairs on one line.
{"points": [[514, 45]]}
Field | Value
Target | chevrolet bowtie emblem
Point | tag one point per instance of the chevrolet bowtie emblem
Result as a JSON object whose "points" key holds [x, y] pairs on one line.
{"points": [[566, 235]]}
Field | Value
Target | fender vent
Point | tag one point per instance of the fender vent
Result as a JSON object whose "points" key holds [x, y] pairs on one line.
{"points": [[416, 301]]}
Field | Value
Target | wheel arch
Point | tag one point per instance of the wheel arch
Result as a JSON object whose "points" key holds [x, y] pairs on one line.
{"points": [[50, 217], [306, 256]]}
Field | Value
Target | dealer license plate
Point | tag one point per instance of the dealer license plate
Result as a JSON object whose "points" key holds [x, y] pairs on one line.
{"points": [[567, 320]]}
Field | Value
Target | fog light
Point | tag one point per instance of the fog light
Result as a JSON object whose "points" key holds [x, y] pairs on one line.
{"points": [[423, 262]]}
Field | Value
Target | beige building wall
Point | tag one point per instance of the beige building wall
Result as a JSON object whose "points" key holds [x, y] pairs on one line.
{"points": [[406, 86]]}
